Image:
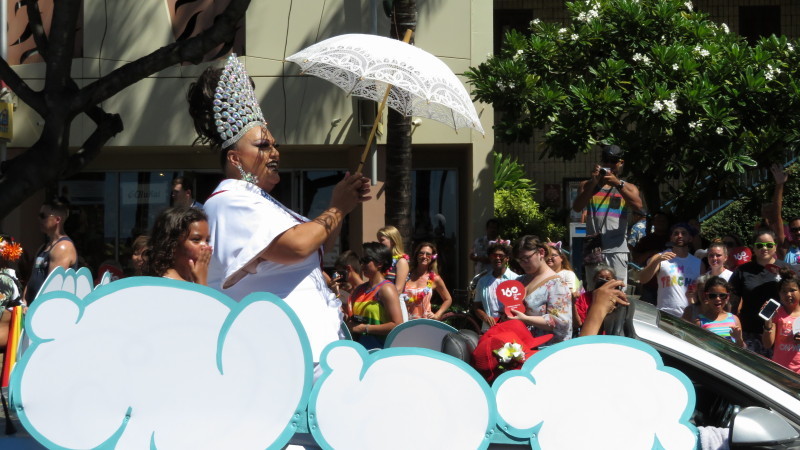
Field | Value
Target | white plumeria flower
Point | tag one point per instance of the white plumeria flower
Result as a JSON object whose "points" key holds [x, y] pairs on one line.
{"points": [[725, 28], [574, 37], [504, 354], [516, 351], [657, 106], [670, 106], [562, 30], [674, 67], [719, 130], [790, 46], [704, 52], [535, 22], [769, 76], [693, 125], [689, 6]]}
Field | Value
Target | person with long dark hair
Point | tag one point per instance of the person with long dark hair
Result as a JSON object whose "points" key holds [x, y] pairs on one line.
{"points": [[179, 246], [422, 283], [754, 283], [548, 301]]}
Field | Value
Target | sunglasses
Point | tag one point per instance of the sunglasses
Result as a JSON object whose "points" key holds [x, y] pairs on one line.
{"points": [[760, 245], [525, 259], [718, 295], [425, 254], [44, 216], [497, 255]]}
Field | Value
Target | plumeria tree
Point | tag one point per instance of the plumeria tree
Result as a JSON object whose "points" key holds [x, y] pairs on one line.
{"points": [[694, 104]]}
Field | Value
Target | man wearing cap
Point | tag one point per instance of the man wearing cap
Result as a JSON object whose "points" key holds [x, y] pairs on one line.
{"points": [[676, 271], [608, 200]]}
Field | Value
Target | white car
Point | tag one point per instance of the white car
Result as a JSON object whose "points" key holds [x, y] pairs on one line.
{"points": [[756, 398]]}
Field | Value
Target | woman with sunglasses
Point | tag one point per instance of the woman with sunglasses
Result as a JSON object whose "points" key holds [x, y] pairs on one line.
{"points": [[374, 304], [424, 280], [713, 315], [548, 302], [754, 283]]}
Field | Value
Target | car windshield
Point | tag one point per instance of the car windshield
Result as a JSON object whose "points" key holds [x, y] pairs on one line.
{"points": [[779, 376]]}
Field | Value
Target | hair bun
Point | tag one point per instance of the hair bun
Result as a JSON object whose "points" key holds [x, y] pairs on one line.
{"points": [[786, 274]]}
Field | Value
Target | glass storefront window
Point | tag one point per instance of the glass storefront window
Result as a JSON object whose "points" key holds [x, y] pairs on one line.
{"points": [[109, 210], [434, 206]]}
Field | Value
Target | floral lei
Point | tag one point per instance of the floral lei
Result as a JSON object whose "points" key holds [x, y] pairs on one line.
{"points": [[419, 295]]}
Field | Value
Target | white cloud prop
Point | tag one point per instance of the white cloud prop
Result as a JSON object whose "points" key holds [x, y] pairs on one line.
{"points": [[599, 392], [147, 362], [399, 398]]}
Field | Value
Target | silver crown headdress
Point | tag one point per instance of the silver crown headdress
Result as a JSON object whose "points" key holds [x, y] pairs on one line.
{"points": [[236, 109]]}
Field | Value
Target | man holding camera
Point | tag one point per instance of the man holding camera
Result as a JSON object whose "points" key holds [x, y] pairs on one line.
{"points": [[608, 200]]}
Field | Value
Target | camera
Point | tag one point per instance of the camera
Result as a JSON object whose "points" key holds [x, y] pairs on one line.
{"points": [[603, 171], [359, 319]]}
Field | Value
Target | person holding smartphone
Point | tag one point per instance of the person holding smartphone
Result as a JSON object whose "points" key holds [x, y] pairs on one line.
{"points": [[782, 330], [754, 283]]}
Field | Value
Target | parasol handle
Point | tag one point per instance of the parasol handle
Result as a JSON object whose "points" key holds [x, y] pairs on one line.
{"points": [[381, 107]]}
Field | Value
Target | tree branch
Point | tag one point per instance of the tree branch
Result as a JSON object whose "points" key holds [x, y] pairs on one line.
{"points": [[34, 99], [37, 27], [61, 44], [191, 49], [108, 126]]}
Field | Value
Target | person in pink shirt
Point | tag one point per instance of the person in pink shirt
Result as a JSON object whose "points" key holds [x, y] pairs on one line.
{"points": [[782, 332]]}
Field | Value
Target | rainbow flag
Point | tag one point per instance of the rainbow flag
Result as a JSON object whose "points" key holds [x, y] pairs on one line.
{"points": [[14, 334]]}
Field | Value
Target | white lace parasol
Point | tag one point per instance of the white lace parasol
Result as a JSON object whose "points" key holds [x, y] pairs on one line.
{"points": [[364, 64]]}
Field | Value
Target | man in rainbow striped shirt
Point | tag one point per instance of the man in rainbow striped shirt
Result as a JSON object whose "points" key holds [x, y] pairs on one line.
{"points": [[608, 201]]}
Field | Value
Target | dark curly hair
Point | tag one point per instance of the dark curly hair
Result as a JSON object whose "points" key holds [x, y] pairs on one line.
{"points": [[171, 226], [200, 97]]}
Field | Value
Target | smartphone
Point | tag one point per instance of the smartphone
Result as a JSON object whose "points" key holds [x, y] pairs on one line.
{"points": [[769, 309], [601, 282]]}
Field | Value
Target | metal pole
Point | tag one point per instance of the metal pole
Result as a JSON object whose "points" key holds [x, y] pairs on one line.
{"points": [[374, 160]]}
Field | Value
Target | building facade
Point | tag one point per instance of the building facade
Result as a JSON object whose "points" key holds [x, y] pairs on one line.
{"points": [[321, 130]]}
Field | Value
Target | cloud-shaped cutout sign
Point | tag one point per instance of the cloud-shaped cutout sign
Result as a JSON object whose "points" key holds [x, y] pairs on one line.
{"points": [[399, 398], [626, 398], [157, 363]]}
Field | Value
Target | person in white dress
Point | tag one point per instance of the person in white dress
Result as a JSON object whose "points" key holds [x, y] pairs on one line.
{"points": [[259, 244]]}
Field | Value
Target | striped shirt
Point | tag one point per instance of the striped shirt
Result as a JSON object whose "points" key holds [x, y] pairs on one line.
{"points": [[721, 328]]}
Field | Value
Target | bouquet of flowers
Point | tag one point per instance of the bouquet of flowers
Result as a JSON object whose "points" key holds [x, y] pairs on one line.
{"points": [[510, 356]]}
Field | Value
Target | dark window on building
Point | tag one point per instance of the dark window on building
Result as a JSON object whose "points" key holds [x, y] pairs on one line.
{"points": [[510, 19], [756, 22]]}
